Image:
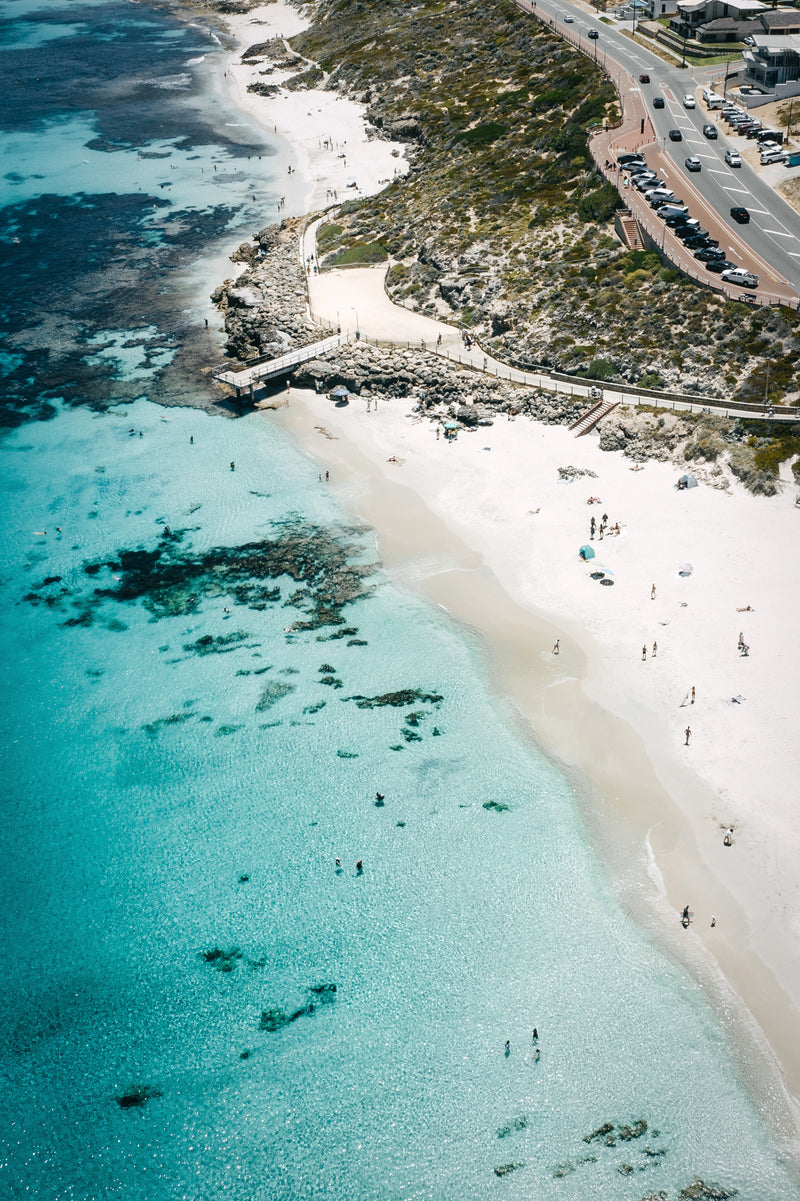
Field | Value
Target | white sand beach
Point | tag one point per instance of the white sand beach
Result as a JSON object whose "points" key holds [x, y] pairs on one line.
{"points": [[325, 142], [485, 527]]}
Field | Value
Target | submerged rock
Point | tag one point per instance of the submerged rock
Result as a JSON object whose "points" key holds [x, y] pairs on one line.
{"points": [[399, 699], [506, 1168], [138, 1096]]}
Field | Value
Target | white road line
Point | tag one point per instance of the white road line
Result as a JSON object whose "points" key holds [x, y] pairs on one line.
{"points": [[793, 254], [778, 233]]}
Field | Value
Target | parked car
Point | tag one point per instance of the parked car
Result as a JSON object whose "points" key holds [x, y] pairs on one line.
{"points": [[647, 184], [772, 156], [706, 253], [692, 163], [738, 275], [665, 211], [710, 132], [689, 101], [689, 228], [593, 34], [740, 214], [686, 235], [700, 242], [754, 130], [675, 135], [629, 157], [677, 222], [770, 135], [720, 265], [644, 79], [658, 102], [733, 158]]}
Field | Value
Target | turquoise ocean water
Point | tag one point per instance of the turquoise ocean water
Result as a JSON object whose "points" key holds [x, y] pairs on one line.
{"points": [[207, 679]]}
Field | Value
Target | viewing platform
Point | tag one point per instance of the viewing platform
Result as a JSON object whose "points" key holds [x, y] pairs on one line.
{"points": [[247, 377]]}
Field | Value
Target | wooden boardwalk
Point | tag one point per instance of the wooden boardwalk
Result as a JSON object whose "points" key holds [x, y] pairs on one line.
{"points": [[248, 377]]}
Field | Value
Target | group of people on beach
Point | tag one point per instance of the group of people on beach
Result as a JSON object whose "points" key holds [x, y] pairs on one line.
{"points": [[604, 527]]}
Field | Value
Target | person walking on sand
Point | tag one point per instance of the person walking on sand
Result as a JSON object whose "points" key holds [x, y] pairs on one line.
{"points": [[653, 592], [688, 733], [556, 646], [741, 639], [655, 649], [644, 653], [692, 693]]}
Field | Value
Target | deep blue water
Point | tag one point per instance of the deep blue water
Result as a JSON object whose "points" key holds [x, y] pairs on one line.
{"points": [[206, 680]]}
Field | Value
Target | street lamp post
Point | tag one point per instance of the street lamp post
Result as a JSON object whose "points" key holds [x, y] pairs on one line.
{"points": [[685, 39]]}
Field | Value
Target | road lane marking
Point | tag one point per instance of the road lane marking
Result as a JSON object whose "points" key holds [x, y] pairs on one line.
{"points": [[742, 191], [778, 233]]}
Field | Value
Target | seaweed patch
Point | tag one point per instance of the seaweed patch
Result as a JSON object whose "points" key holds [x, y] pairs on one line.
{"points": [[138, 1096], [272, 693], [318, 995], [398, 700], [223, 644], [170, 578]]}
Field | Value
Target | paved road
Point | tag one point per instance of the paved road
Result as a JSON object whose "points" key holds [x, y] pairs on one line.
{"points": [[774, 231]]}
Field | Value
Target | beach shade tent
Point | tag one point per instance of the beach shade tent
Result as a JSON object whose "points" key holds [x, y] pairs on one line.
{"points": [[340, 392], [685, 569], [687, 481], [586, 552], [451, 425]]}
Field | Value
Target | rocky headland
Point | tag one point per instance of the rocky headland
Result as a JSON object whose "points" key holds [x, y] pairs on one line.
{"points": [[504, 228]]}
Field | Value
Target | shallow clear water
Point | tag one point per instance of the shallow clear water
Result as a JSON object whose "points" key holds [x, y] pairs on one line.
{"points": [[168, 729]]}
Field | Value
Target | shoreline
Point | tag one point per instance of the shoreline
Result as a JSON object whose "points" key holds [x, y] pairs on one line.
{"points": [[609, 767], [685, 854]]}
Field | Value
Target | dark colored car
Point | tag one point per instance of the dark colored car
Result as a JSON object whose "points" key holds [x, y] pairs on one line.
{"points": [[700, 242], [754, 130], [593, 34], [644, 79], [658, 102], [684, 232], [707, 253], [675, 135], [740, 214], [628, 157], [710, 132], [718, 265], [678, 222]]}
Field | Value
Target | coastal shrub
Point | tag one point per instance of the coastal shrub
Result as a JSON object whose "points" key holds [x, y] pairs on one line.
{"points": [[326, 234], [599, 369], [358, 254], [483, 135], [600, 204]]}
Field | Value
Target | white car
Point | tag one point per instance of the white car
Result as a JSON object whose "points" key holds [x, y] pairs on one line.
{"points": [[733, 158], [772, 156], [569, 18], [689, 101], [738, 275]]}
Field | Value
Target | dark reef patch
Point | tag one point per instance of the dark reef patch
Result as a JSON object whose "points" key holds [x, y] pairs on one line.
{"points": [[318, 995], [399, 700], [273, 693], [138, 1096], [223, 644], [172, 579]]}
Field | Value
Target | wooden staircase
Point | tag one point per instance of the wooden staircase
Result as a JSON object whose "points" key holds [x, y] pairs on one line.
{"points": [[587, 421], [628, 229]]}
